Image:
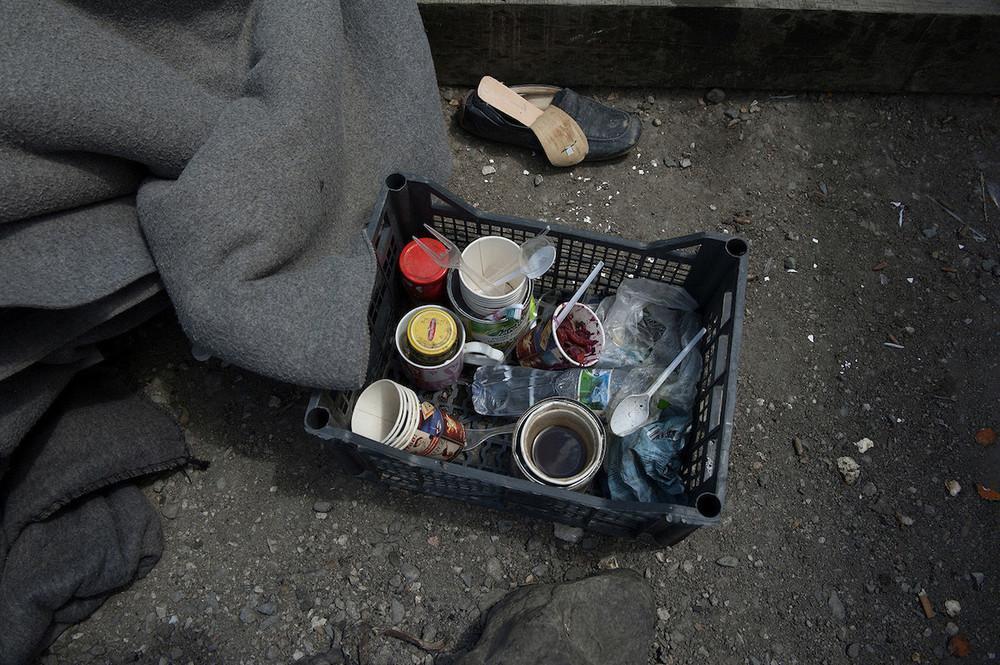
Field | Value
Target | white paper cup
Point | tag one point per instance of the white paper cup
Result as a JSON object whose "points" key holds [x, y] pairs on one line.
{"points": [[402, 419], [377, 410], [487, 256], [411, 422]]}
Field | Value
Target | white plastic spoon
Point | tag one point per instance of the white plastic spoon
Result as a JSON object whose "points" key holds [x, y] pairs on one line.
{"points": [[564, 312], [452, 258], [537, 256], [633, 411]]}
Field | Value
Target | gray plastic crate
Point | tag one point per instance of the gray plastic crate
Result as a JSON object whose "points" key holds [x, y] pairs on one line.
{"points": [[711, 266]]}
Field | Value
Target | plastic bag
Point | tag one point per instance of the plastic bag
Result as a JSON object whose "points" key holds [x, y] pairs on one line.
{"points": [[645, 465], [646, 324], [644, 321]]}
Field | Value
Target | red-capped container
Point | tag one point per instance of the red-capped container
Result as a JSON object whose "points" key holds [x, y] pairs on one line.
{"points": [[423, 279]]}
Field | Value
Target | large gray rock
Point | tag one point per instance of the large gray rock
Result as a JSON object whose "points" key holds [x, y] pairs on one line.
{"points": [[568, 624]]}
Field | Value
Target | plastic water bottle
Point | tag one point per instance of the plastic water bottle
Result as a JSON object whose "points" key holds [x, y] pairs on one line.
{"points": [[504, 390]]}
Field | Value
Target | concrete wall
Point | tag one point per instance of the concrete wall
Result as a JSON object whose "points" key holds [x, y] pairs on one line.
{"points": [[880, 45]]}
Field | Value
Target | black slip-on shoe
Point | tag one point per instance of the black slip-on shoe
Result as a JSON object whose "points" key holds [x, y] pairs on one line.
{"points": [[610, 133]]}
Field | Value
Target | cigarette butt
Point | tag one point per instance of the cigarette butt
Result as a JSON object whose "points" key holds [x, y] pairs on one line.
{"points": [[925, 603]]}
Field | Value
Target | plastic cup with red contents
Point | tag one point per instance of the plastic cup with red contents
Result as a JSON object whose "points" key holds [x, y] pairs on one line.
{"points": [[577, 343], [423, 279]]}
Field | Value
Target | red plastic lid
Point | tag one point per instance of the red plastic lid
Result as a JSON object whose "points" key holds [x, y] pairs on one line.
{"points": [[417, 266]]}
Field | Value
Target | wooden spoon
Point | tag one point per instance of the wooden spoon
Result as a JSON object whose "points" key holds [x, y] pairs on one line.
{"points": [[564, 142]]}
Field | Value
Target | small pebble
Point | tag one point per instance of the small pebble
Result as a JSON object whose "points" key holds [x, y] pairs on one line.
{"points": [[951, 628], [849, 469], [489, 170], [396, 612], [495, 569], [322, 506], [790, 263], [728, 562], [952, 608], [715, 96], [247, 615], [864, 445], [171, 510], [409, 571], [657, 122], [685, 163], [837, 606], [569, 534], [953, 487], [538, 179]]}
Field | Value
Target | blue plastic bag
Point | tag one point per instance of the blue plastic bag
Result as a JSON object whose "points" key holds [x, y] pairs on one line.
{"points": [[645, 465]]}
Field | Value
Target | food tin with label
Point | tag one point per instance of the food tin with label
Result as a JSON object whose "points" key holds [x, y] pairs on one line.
{"points": [[431, 336], [423, 279]]}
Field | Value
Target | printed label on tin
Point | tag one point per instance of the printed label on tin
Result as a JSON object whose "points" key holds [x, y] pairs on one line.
{"points": [[438, 435]]}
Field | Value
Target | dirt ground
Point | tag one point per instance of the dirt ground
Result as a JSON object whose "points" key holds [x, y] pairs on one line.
{"points": [[256, 569]]}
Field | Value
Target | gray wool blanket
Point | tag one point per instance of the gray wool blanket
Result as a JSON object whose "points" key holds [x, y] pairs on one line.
{"points": [[72, 530], [235, 147], [224, 154]]}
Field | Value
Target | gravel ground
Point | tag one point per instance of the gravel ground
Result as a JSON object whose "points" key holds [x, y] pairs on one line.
{"points": [[272, 555]]}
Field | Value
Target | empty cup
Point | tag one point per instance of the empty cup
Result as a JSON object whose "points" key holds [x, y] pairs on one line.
{"points": [[488, 256], [382, 410]]}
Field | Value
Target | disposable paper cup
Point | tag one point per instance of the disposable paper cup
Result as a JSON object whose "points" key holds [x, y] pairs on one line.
{"points": [[498, 334], [403, 415], [540, 347], [487, 256], [567, 413], [411, 418], [377, 410], [484, 306]]}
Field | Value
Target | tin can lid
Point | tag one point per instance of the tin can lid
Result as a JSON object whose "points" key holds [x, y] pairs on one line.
{"points": [[432, 332], [417, 266]]}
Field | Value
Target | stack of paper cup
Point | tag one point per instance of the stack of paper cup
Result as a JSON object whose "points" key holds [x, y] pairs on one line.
{"points": [[386, 412], [489, 256], [393, 414]]}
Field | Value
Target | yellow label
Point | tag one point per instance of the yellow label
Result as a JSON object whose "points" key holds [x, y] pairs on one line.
{"points": [[432, 332]]}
